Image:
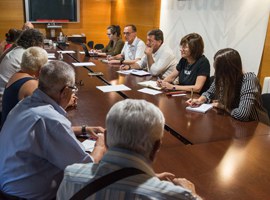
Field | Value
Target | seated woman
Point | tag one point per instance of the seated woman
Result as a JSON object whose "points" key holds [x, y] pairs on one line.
{"points": [[193, 68], [234, 92], [23, 82], [115, 44]]}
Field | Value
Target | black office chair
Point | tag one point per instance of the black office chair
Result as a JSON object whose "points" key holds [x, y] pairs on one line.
{"points": [[266, 102], [90, 44], [99, 46]]}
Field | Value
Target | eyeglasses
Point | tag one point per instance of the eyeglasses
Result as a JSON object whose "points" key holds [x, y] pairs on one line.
{"points": [[127, 33], [74, 89]]}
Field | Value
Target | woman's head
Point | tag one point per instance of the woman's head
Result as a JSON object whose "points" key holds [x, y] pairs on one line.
{"points": [[114, 31], [227, 62], [30, 38], [192, 46], [12, 35], [228, 76]]}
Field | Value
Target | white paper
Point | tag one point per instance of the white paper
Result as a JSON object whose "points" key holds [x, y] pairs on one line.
{"points": [[149, 91], [89, 145], [83, 64], [51, 55], [150, 84], [140, 72], [113, 88], [125, 71], [202, 108], [178, 95], [66, 51]]}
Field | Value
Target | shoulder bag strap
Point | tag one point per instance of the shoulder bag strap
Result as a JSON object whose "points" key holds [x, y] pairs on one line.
{"points": [[104, 181]]}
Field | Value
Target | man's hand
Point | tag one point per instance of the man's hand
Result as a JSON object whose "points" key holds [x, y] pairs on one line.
{"points": [[148, 50]]}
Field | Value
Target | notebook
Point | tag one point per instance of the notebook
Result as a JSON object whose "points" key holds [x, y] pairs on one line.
{"points": [[202, 108], [150, 84]]}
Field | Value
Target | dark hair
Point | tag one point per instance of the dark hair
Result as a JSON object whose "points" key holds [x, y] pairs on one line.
{"points": [[228, 76], [195, 44], [30, 38], [157, 33], [115, 29], [133, 27], [12, 35]]}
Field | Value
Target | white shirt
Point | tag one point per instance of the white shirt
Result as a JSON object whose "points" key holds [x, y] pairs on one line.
{"points": [[133, 51], [164, 62], [10, 64]]}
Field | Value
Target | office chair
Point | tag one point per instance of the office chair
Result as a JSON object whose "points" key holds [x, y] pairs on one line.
{"points": [[90, 44], [87, 54], [99, 46], [266, 102]]}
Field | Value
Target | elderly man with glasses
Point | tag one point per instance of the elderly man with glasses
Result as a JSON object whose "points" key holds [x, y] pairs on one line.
{"points": [[37, 141], [133, 49]]}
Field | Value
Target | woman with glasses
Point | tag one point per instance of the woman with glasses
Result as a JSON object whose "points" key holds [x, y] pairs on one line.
{"points": [[115, 44], [193, 69], [233, 91]]}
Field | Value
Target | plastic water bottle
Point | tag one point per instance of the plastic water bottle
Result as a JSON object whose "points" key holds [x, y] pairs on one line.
{"points": [[60, 56]]}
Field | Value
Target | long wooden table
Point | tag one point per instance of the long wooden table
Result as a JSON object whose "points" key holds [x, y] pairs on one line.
{"points": [[227, 159]]}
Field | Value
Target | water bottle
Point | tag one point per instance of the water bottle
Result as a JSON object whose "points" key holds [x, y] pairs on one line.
{"points": [[60, 56]]}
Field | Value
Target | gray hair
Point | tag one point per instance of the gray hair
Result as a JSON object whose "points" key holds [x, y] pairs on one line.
{"points": [[134, 125], [54, 76], [33, 59]]}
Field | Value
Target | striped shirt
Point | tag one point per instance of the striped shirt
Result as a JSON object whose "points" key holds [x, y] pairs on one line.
{"points": [[250, 107], [142, 186]]}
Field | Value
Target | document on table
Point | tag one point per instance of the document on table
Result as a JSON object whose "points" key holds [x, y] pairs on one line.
{"points": [[113, 88], [89, 145], [70, 51], [202, 108], [150, 84], [83, 64], [149, 91], [140, 72], [51, 55], [125, 71]]}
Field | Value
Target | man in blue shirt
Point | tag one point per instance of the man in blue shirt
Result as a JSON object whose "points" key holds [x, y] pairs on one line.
{"points": [[133, 137], [37, 141]]}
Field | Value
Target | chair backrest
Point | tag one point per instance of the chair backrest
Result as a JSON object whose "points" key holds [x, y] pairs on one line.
{"points": [[90, 44], [86, 52], [99, 46], [266, 102]]}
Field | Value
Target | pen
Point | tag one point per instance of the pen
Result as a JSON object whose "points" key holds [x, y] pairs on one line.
{"points": [[191, 95]]}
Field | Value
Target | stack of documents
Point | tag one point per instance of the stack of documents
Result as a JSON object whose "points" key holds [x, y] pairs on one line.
{"points": [[150, 84], [202, 108]]}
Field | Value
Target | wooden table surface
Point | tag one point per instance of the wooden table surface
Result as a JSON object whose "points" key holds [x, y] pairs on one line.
{"points": [[226, 158]]}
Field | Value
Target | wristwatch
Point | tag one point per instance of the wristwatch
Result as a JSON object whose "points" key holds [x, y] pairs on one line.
{"points": [[84, 132]]}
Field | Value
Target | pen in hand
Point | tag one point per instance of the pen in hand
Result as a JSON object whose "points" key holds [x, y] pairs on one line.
{"points": [[191, 95]]}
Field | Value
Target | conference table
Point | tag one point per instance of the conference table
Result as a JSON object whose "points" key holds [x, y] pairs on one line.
{"points": [[223, 157]]}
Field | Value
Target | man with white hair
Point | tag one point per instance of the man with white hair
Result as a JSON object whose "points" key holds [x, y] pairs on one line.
{"points": [[37, 141], [133, 138]]}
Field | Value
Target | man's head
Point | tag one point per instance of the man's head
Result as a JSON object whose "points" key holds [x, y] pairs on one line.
{"points": [[136, 125], [130, 33], [57, 80], [30, 38], [27, 25], [154, 39], [33, 59]]}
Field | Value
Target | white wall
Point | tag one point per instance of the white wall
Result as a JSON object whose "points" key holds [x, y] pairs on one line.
{"points": [[238, 24]]}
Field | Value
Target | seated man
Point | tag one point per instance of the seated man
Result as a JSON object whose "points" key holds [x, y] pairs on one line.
{"points": [[159, 60], [37, 141], [132, 50], [133, 138]]}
